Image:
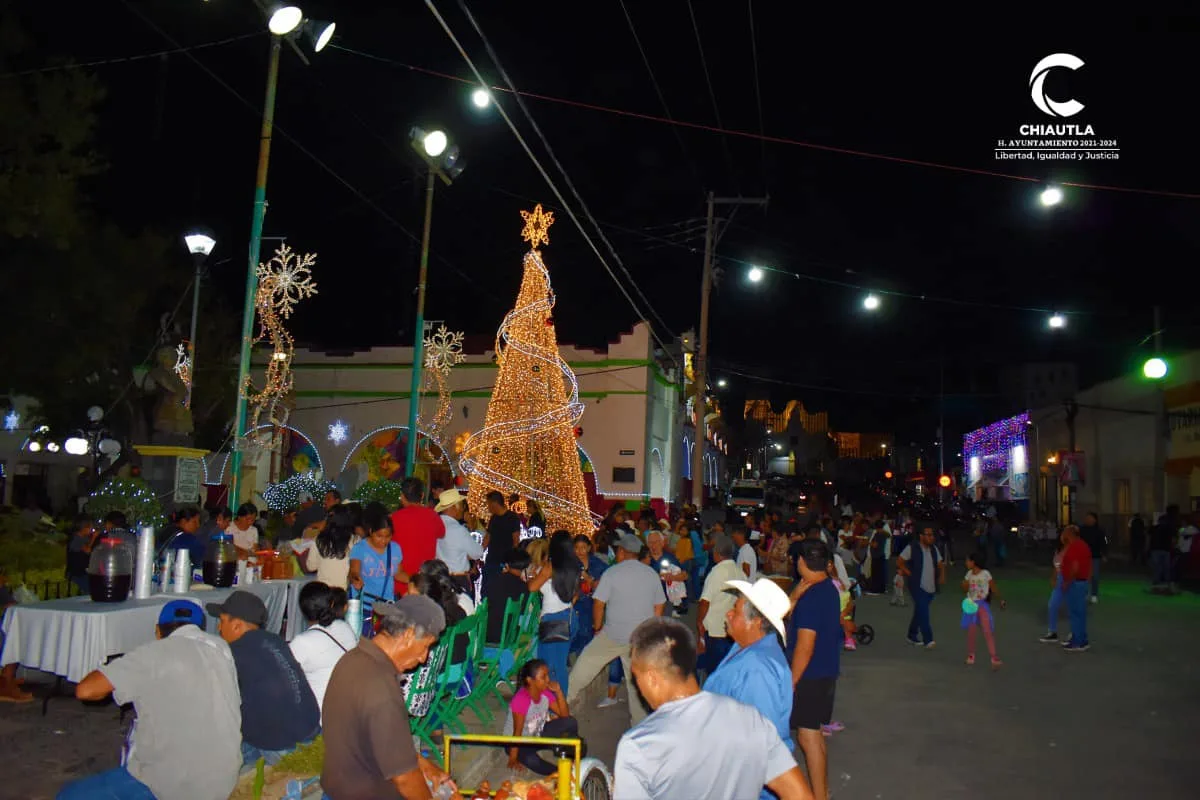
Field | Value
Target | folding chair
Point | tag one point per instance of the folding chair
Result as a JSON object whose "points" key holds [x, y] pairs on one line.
{"points": [[422, 691], [451, 697], [487, 664]]}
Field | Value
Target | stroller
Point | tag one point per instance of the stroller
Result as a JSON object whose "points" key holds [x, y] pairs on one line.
{"points": [[863, 634]]}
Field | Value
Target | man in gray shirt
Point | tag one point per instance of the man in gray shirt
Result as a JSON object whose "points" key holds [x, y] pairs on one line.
{"points": [[188, 735], [629, 593], [696, 744]]}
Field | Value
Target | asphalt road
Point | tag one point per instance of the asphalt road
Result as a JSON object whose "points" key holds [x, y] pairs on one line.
{"points": [[1122, 720]]}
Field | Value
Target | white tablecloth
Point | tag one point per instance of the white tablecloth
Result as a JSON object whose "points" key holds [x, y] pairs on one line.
{"points": [[72, 637]]}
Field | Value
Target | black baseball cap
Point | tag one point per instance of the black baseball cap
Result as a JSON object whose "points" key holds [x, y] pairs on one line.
{"points": [[241, 605], [419, 609]]}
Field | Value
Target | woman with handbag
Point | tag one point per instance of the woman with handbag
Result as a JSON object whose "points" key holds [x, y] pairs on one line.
{"points": [[375, 563], [558, 581]]}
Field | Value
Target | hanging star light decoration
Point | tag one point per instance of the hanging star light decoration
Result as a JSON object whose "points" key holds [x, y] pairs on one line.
{"points": [[282, 282], [12, 420], [338, 432], [442, 351], [537, 227], [183, 368]]}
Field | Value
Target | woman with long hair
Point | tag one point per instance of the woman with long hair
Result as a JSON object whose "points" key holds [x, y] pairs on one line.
{"points": [[558, 581], [536, 518], [435, 567], [375, 560], [329, 554], [327, 639]]}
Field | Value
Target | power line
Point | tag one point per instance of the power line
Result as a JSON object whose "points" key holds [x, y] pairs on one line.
{"points": [[843, 390], [768, 139], [758, 95], [712, 96], [550, 181], [129, 59], [661, 98]]}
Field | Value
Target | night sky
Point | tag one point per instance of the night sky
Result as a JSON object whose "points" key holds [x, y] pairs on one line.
{"points": [[183, 149]]}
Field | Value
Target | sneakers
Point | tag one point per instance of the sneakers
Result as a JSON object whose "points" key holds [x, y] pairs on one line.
{"points": [[1077, 648], [849, 644], [1067, 642], [997, 663], [607, 702], [1094, 600], [930, 645], [971, 660], [912, 641], [1049, 637]]}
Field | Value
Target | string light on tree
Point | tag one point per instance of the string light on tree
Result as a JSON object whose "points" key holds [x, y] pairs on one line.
{"points": [[286, 494], [133, 497], [283, 281], [339, 431], [527, 444]]}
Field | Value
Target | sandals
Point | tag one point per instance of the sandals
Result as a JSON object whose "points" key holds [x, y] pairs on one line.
{"points": [[970, 661]]}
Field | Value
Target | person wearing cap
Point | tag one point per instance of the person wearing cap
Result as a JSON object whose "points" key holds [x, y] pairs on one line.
{"points": [[756, 671], [279, 710], [712, 640], [815, 639], [416, 528], [186, 739], [696, 744], [457, 548], [629, 592], [369, 753]]}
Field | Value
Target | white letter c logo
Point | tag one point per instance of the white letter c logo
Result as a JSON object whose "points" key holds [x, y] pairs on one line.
{"points": [[1047, 106]]}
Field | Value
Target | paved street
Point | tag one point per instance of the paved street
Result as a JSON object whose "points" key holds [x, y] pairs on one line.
{"points": [[1119, 721]]}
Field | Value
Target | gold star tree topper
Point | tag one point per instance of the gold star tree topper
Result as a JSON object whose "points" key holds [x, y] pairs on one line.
{"points": [[537, 226]]}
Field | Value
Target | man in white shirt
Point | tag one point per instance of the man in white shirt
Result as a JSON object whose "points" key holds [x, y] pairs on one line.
{"points": [[747, 559], [458, 548], [696, 744], [712, 640]]}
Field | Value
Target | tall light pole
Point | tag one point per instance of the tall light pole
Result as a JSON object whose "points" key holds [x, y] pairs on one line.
{"points": [[283, 20], [700, 368], [442, 161], [200, 244]]}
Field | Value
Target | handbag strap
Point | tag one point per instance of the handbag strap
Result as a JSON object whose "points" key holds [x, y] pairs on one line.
{"points": [[387, 573], [330, 635]]}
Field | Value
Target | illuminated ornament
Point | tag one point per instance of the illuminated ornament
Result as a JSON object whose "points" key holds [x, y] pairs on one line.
{"points": [[282, 282], [339, 432], [12, 420], [183, 368], [442, 351], [286, 495], [992, 448], [527, 444], [460, 442]]}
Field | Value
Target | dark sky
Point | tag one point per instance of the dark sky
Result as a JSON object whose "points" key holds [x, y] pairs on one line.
{"points": [[183, 149]]}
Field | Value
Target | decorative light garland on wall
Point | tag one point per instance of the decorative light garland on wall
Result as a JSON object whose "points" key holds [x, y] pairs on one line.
{"points": [[282, 282], [527, 444], [993, 444]]}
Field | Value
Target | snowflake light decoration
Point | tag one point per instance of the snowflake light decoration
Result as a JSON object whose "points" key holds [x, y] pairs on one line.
{"points": [[12, 420], [285, 280], [443, 350], [338, 432]]}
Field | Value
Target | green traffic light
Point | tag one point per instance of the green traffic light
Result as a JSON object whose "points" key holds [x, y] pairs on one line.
{"points": [[1155, 368]]}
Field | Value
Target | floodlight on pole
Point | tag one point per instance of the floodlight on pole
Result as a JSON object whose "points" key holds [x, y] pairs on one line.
{"points": [[871, 302], [1057, 321], [1051, 196], [434, 143], [755, 274], [199, 243], [284, 19], [319, 33], [481, 98]]}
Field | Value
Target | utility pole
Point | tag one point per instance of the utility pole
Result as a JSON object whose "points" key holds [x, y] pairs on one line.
{"points": [[1072, 409], [700, 368], [941, 426], [1162, 430]]}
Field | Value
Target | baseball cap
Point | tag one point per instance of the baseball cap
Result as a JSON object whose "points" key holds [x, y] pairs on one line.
{"points": [[448, 498], [766, 596], [181, 611], [418, 608], [241, 605], [629, 543]]}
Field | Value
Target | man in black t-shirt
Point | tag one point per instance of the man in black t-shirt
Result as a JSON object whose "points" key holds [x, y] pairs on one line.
{"points": [[503, 531], [505, 585]]}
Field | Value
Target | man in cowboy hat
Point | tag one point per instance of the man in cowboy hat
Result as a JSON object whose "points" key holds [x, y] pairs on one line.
{"points": [[458, 547], [755, 671]]}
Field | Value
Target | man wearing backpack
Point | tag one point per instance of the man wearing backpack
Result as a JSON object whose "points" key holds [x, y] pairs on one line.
{"points": [[925, 569]]}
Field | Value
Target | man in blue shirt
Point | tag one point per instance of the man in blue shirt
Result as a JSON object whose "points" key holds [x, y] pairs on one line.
{"points": [[815, 643], [755, 671]]}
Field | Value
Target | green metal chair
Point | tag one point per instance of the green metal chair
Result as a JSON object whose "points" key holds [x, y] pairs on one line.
{"points": [[453, 695], [527, 640], [487, 665], [421, 694]]}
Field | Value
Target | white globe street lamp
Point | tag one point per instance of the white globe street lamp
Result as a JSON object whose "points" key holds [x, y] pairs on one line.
{"points": [[1057, 321], [76, 446], [755, 274], [871, 302], [481, 98], [1051, 196]]}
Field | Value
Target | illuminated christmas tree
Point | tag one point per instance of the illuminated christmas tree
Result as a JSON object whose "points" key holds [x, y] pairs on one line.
{"points": [[527, 443]]}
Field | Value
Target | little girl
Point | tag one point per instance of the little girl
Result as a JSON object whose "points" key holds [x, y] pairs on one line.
{"points": [[537, 709], [979, 586], [1056, 596]]}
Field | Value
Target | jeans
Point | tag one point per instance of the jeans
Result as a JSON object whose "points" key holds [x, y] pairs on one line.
{"points": [[1077, 604], [555, 653], [584, 629], [715, 650], [251, 754], [920, 618], [1095, 577], [1160, 567], [113, 784], [557, 728], [616, 674], [1056, 598]]}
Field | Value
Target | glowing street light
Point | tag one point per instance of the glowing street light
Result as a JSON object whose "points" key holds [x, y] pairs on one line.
{"points": [[722, 383], [1051, 196], [481, 98], [284, 19], [1155, 368], [1057, 321], [319, 33], [871, 302], [755, 274], [434, 143]]}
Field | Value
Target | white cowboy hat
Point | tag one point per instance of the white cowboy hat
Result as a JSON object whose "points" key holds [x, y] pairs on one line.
{"points": [[448, 498], [766, 596]]}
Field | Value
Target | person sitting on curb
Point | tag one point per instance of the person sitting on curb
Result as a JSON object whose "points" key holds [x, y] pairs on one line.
{"points": [[185, 742], [279, 710]]}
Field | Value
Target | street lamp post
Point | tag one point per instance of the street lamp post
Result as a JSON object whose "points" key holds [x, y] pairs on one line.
{"points": [[282, 21], [442, 162], [199, 244]]}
